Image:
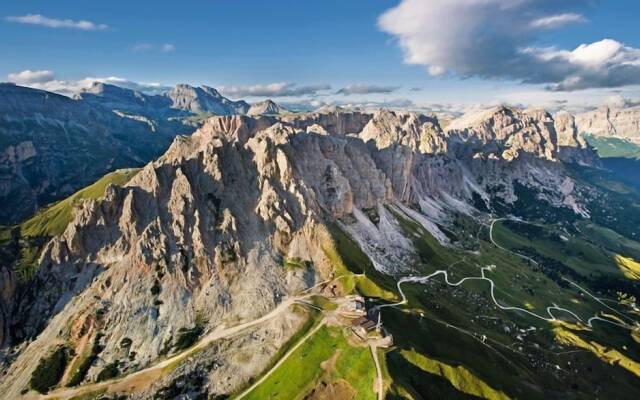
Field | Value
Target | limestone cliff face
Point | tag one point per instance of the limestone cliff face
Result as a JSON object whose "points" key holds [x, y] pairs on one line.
{"points": [[509, 145], [204, 231], [611, 121], [201, 235], [204, 99], [417, 132], [506, 133], [128, 101], [54, 145], [334, 121], [572, 146]]}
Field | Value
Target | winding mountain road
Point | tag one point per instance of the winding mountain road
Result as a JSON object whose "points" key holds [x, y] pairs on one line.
{"points": [[379, 384], [599, 300], [281, 361], [142, 377], [550, 316], [155, 371]]}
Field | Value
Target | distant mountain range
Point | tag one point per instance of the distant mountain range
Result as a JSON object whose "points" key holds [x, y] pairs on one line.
{"points": [[52, 145]]}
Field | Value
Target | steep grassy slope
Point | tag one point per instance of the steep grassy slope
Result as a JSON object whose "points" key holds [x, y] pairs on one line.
{"points": [[453, 341], [619, 156], [325, 362], [20, 245], [613, 147]]}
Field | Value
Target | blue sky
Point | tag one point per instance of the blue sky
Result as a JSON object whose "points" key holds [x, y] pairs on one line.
{"points": [[336, 43]]}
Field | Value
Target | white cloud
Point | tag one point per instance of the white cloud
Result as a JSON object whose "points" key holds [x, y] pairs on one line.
{"points": [[310, 104], [396, 104], [141, 47], [37, 19], [307, 104], [494, 39], [619, 101], [277, 89], [558, 20], [30, 77], [607, 63], [360, 88], [165, 48], [288, 89], [146, 87], [46, 80]]}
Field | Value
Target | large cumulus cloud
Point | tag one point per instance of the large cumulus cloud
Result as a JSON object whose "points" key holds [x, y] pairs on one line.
{"points": [[496, 39]]}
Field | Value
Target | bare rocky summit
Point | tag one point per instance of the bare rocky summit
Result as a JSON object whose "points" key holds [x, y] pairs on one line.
{"points": [[204, 99], [267, 107], [623, 123]]}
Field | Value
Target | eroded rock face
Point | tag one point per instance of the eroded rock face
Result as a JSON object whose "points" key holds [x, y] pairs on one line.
{"points": [[267, 107], [417, 132], [571, 145], [8, 286], [201, 234], [124, 100], [506, 133], [204, 99], [334, 121], [237, 127], [609, 121]]}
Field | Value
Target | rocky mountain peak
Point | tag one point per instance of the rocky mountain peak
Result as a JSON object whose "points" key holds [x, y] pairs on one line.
{"points": [[204, 99], [104, 88], [507, 133], [267, 107], [329, 108], [416, 131], [19, 101], [210, 91], [572, 146], [233, 127], [333, 122], [114, 97], [619, 122]]}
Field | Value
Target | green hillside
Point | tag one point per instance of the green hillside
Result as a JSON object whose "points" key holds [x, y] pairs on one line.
{"points": [[21, 244], [613, 147]]}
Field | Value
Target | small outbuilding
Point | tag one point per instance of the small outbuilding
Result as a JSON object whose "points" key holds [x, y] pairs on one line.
{"points": [[355, 305]]}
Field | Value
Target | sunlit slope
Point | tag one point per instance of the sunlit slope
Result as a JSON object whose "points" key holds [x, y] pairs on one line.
{"points": [[24, 241]]}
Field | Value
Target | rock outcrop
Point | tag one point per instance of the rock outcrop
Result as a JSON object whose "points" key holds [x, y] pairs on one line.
{"points": [[607, 121], [130, 101], [418, 132], [204, 99], [505, 133], [572, 147], [267, 107], [333, 121]]}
